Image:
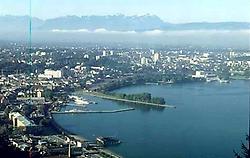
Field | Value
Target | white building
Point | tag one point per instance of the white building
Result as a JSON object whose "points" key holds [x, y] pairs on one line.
{"points": [[144, 61], [51, 74], [156, 57], [39, 94], [97, 57], [104, 53], [199, 74], [86, 56], [19, 120], [231, 54]]}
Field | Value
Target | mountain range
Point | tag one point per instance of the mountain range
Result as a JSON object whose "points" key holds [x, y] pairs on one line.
{"points": [[111, 23]]}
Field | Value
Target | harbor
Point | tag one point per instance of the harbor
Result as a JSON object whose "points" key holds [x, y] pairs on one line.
{"points": [[95, 148], [166, 127]]}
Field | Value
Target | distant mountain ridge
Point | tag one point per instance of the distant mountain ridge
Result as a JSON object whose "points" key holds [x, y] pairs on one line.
{"points": [[112, 23]]}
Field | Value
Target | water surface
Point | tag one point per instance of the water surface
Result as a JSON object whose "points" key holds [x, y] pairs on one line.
{"points": [[209, 122]]}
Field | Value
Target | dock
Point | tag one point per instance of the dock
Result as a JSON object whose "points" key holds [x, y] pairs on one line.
{"points": [[92, 111], [107, 153]]}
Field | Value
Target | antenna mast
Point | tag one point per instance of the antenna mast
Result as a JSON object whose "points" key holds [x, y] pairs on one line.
{"points": [[30, 29]]}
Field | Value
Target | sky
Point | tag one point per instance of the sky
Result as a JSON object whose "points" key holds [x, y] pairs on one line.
{"points": [[175, 11]]}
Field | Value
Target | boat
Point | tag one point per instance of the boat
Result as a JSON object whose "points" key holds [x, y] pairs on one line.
{"points": [[224, 81], [211, 77], [107, 141], [79, 100], [73, 110]]}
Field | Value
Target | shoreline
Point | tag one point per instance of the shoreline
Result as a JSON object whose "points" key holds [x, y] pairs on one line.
{"points": [[77, 137]]}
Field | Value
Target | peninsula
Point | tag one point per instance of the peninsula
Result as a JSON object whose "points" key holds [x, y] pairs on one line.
{"points": [[142, 99]]}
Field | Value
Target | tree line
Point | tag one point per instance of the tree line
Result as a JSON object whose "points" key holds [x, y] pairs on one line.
{"points": [[142, 97]]}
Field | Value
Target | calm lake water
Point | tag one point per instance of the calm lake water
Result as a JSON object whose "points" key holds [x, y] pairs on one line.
{"points": [[210, 121]]}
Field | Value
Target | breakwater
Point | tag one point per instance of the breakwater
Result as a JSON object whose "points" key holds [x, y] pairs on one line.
{"points": [[91, 111]]}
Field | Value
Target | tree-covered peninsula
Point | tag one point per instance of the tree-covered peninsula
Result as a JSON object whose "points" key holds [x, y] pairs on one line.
{"points": [[141, 97]]}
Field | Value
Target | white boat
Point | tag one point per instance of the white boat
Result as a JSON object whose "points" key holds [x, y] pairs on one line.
{"points": [[80, 101], [224, 81], [74, 110]]}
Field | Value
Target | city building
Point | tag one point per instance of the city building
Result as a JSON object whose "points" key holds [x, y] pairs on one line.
{"points": [[51, 74], [20, 121], [156, 57], [144, 61], [231, 54], [3, 100], [104, 53], [199, 74], [97, 57]]}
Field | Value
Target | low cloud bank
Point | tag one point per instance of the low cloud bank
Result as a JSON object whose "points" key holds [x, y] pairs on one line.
{"points": [[209, 38]]}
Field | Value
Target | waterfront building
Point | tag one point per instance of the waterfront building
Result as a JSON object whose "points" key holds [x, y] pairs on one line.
{"points": [[199, 74], [20, 121]]}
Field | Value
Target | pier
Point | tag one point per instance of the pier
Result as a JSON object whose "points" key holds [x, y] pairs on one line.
{"points": [[92, 111], [107, 153]]}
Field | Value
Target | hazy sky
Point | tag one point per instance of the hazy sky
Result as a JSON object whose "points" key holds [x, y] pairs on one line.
{"points": [[169, 10]]}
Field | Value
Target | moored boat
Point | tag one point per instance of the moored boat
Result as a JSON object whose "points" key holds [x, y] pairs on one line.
{"points": [[107, 141]]}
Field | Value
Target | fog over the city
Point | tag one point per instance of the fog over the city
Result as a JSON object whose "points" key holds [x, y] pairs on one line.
{"points": [[120, 28], [214, 38]]}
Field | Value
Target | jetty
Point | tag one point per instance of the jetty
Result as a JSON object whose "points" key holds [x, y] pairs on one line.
{"points": [[92, 111]]}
